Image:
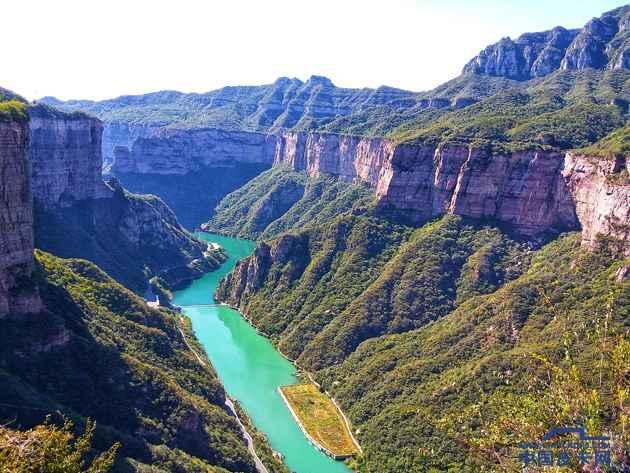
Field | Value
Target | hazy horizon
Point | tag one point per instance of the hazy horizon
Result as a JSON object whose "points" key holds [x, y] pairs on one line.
{"points": [[103, 51]]}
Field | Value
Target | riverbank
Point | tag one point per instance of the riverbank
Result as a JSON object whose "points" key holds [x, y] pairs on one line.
{"points": [[310, 377], [260, 466], [250, 369]]}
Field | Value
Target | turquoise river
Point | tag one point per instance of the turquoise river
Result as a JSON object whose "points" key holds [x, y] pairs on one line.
{"points": [[249, 366]]}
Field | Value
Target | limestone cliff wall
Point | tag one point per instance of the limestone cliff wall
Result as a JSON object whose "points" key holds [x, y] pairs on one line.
{"points": [[534, 192], [174, 151], [524, 189], [349, 157], [65, 152], [16, 222], [601, 192], [121, 134]]}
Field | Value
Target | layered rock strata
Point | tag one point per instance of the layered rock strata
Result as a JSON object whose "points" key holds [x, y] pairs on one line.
{"points": [[601, 192], [532, 192], [17, 295], [65, 152], [174, 151]]}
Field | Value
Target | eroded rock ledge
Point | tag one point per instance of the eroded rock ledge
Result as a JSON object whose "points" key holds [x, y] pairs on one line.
{"points": [[534, 192]]}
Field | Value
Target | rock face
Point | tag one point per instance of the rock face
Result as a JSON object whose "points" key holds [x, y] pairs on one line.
{"points": [[533, 192], [249, 274], [524, 190], [349, 157], [602, 198], [601, 44], [65, 157], [16, 223], [172, 151], [131, 237], [120, 133]]}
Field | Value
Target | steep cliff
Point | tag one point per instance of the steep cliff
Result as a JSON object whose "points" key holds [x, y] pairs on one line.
{"points": [[531, 192], [65, 159], [348, 157], [175, 151], [601, 192], [17, 293], [131, 237]]}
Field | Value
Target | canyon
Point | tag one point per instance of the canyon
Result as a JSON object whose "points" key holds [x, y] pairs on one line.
{"points": [[534, 192], [527, 175], [418, 253], [58, 201], [74, 342]]}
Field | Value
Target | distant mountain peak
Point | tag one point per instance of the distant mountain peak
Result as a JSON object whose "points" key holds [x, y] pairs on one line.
{"points": [[603, 43], [320, 80]]}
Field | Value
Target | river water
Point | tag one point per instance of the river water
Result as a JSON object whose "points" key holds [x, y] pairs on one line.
{"points": [[248, 365]]}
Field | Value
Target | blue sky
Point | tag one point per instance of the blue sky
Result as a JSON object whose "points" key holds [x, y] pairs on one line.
{"points": [[90, 49]]}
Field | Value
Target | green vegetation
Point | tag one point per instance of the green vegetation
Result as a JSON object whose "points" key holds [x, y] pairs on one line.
{"points": [[449, 344], [549, 348], [320, 418], [254, 108], [562, 111], [280, 200], [617, 144], [99, 352], [51, 449], [13, 110], [361, 277]]}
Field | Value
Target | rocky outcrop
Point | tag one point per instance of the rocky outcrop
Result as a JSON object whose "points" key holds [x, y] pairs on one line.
{"points": [[532, 192], [250, 273], [65, 157], [132, 237], [17, 294], [348, 157], [123, 134], [601, 44], [601, 192], [524, 190]]}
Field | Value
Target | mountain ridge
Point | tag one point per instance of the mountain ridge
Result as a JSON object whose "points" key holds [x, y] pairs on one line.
{"points": [[601, 44]]}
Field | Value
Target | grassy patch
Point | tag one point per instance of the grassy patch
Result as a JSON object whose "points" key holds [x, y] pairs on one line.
{"points": [[13, 110], [320, 418]]}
